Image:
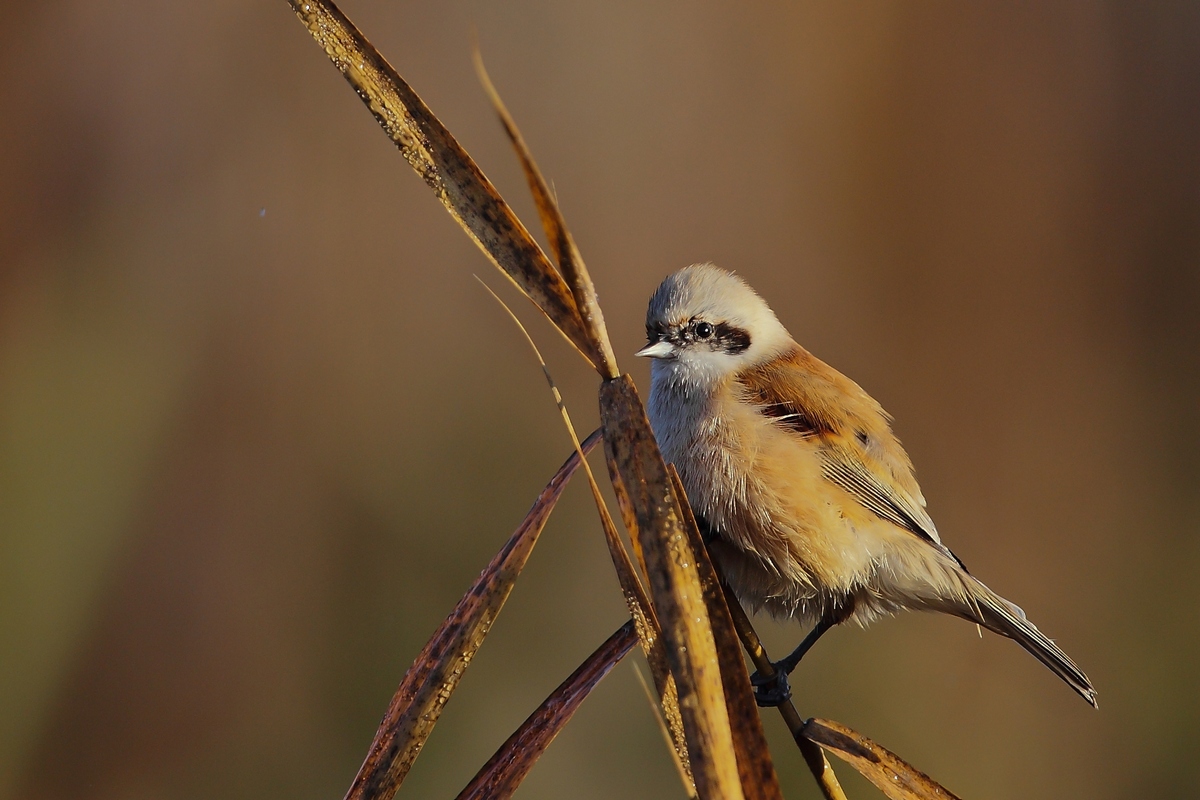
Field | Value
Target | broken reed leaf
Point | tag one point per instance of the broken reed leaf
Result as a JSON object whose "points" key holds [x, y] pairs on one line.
{"points": [[503, 773], [650, 637], [649, 632], [642, 484], [433, 677], [566, 254], [446, 168], [641, 611], [636, 599], [814, 757], [891, 774], [685, 774], [759, 781]]}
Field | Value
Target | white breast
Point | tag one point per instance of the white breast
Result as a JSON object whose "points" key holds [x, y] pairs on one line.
{"points": [[713, 443]]}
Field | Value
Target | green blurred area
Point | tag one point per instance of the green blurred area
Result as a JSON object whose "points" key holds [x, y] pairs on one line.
{"points": [[260, 427]]}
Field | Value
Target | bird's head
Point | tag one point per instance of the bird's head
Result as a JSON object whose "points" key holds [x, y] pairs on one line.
{"points": [[704, 323]]}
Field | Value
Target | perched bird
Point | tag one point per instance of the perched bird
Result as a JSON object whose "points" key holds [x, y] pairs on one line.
{"points": [[805, 496]]}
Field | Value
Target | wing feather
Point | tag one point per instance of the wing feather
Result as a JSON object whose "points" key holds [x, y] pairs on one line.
{"points": [[859, 452]]}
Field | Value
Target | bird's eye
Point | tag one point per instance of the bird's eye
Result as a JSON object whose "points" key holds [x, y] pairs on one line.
{"points": [[703, 330]]}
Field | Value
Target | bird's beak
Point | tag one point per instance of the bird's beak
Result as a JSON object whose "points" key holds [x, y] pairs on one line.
{"points": [[659, 349]]}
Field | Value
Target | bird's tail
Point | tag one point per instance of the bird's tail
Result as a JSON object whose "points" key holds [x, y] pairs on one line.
{"points": [[1002, 617]]}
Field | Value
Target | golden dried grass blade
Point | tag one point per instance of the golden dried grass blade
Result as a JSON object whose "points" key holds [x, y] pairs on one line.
{"points": [[503, 773], [759, 781], [814, 757], [642, 484], [650, 637], [446, 168], [636, 599], [566, 254], [892, 775], [668, 737], [433, 677]]}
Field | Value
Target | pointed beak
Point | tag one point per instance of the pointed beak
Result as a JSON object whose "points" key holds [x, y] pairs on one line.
{"points": [[659, 349]]}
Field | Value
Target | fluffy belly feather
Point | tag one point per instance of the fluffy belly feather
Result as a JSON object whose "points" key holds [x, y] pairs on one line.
{"points": [[788, 543]]}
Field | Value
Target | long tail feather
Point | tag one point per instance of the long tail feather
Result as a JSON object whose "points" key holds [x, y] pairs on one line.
{"points": [[1006, 619]]}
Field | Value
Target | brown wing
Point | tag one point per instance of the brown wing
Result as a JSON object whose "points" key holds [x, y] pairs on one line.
{"points": [[859, 451]]}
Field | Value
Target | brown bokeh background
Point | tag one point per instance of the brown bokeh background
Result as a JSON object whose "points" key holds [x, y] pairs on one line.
{"points": [[260, 427]]}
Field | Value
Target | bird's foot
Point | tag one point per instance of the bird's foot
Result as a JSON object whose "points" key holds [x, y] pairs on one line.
{"points": [[774, 690]]}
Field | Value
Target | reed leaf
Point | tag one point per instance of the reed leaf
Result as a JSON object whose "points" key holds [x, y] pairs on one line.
{"points": [[562, 244], [636, 599], [759, 781], [641, 611], [644, 488], [893, 776], [655, 707], [503, 773], [447, 169], [433, 677], [814, 757], [649, 633], [472, 200]]}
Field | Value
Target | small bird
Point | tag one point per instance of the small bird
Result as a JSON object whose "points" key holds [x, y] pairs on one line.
{"points": [[804, 494]]}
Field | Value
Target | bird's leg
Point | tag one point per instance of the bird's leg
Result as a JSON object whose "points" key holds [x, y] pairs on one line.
{"points": [[775, 690]]}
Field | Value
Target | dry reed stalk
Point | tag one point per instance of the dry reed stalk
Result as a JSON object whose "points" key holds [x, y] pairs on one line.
{"points": [[562, 244], [433, 677], [656, 709], [571, 265], [642, 485], [892, 775], [444, 165], [691, 646], [636, 600], [691, 652], [759, 781], [693, 661], [504, 771], [818, 765]]}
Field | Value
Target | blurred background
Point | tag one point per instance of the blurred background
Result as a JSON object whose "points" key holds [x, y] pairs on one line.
{"points": [[260, 427]]}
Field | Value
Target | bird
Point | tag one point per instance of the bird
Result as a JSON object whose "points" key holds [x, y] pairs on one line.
{"points": [[805, 498]]}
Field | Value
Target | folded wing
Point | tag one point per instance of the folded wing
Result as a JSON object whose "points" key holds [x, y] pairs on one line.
{"points": [[859, 452]]}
